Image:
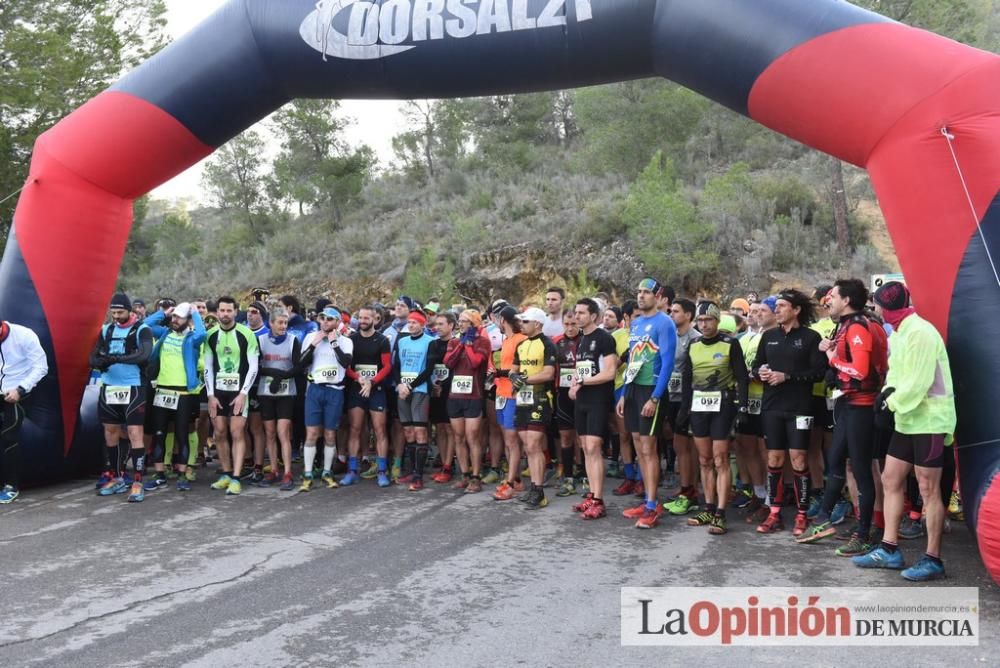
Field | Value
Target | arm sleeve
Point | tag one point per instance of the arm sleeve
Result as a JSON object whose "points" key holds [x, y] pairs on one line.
{"points": [[383, 373], [453, 355], [253, 361], [475, 353], [199, 328], [396, 370], [859, 343], [345, 357], [305, 357], [739, 366], [433, 357], [920, 356], [144, 339], [209, 371], [38, 365], [667, 342]]}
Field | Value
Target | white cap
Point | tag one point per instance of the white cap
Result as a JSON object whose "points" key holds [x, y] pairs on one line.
{"points": [[183, 310], [533, 314]]}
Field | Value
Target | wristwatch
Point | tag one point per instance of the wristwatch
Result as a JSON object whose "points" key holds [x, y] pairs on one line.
{"points": [[654, 400]]}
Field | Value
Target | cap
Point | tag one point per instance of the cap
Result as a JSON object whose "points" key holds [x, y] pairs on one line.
{"points": [[508, 313], [183, 310], [432, 307], [260, 307], [741, 304], [532, 314], [498, 305], [121, 300], [138, 302], [650, 284], [727, 324], [330, 312], [893, 296], [405, 300], [770, 302]]}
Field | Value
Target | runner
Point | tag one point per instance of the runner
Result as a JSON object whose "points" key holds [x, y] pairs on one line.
{"points": [[565, 413], [788, 362], [366, 394], [652, 345], [920, 396], [257, 321], [506, 405], [593, 390], [276, 391], [858, 354], [620, 330], [554, 298], [443, 328], [327, 354], [176, 355], [412, 366], [532, 376], [715, 396], [231, 363], [469, 359], [750, 434], [121, 353], [22, 366], [682, 312]]}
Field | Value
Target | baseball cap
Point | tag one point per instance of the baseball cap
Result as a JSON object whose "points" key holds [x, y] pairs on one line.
{"points": [[183, 310], [532, 314], [331, 312], [498, 305]]}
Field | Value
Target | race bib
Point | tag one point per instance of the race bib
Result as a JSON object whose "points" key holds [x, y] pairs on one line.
{"points": [[584, 369], [566, 377], [366, 371], [706, 402], [441, 373], [526, 396], [117, 396], [632, 370], [831, 400], [674, 384], [461, 385], [501, 403], [166, 399], [408, 377], [753, 406], [227, 382], [284, 388], [326, 375], [803, 422]]}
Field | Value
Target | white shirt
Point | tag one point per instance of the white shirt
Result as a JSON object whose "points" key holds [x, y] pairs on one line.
{"points": [[326, 368], [553, 326], [22, 359]]}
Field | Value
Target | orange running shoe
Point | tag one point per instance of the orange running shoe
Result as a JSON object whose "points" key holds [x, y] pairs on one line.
{"points": [[635, 512]]}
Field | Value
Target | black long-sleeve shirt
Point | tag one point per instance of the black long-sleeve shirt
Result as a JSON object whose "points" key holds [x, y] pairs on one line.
{"points": [[796, 354]]}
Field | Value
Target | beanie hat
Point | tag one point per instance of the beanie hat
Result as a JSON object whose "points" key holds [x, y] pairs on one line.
{"points": [[893, 296], [121, 300]]}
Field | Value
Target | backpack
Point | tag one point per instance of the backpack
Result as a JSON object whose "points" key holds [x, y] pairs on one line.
{"points": [[131, 339], [879, 357]]}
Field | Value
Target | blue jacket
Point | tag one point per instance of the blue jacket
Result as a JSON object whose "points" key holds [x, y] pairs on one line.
{"points": [[191, 347]]}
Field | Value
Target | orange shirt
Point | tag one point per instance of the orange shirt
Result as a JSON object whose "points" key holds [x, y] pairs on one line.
{"points": [[507, 350]]}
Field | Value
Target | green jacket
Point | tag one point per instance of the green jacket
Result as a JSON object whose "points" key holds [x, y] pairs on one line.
{"points": [[924, 400]]}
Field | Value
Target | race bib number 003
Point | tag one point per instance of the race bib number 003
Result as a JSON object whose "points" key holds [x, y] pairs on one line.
{"points": [[227, 382], [117, 396], [526, 396], [706, 402], [166, 399], [366, 371], [461, 385]]}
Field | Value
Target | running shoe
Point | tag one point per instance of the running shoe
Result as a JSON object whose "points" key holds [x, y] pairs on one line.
{"points": [[268, 479], [854, 547], [154, 483], [536, 499], [184, 486], [504, 492], [704, 518], [394, 473], [595, 512], [771, 524], [417, 484], [287, 483], [816, 532], [742, 499], [256, 477], [462, 483], [880, 558], [491, 477], [649, 518], [840, 511], [114, 486], [801, 524], [351, 478], [627, 487], [718, 525], [406, 479], [955, 507], [103, 480], [442, 477], [568, 488], [474, 487], [339, 467], [190, 474], [8, 494], [583, 487], [383, 480], [136, 493], [222, 482], [614, 471], [635, 512], [924, 570], [910, 529], [875, 535], [327, 478], [815, 505], [548, 475], [639, 490], [583, 505], [371, 472], [760, 513], [235, 488], [846, 533], [307, 481], [526, 473], [680, 505]]}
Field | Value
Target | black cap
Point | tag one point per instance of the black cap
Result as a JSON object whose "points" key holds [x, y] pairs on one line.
{"points": [[260, 307], [121, 300], [322, 303], [138, 302]]}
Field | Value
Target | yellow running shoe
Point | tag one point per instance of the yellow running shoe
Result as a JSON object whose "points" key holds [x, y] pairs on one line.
{"points": [[328, 479], [235, 487], [955, 507], [222, 482], [307, 483]]}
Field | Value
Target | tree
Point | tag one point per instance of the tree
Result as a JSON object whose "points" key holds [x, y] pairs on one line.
{"points": [[236, 180], [56, 55], [436, 140]]}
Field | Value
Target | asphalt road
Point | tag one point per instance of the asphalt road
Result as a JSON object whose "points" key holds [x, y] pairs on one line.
{"points": [[363, 576]]}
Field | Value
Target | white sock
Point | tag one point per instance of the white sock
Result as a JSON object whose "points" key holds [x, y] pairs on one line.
{"points": [[309, 456], [760, 491], [328, 452]]}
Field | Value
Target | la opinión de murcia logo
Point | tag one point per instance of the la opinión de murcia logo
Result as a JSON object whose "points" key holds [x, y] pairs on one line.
{"points": [[366, 30]]}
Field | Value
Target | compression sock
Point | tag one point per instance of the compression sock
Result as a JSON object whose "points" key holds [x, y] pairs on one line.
{"points": [[138, 463], [760, 491], [121, 458], [111, 454], [802, 490], [420, 458], [352, 465], [879, 518], [566, 455], [328, 452], [774, 487], [629, 471], [382, 464], [309, 457]]}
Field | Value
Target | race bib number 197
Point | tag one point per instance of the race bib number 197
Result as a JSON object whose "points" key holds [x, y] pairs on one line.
{"points": [[117, 396]]}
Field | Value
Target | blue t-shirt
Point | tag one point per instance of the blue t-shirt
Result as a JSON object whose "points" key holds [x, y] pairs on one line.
{"points": [[122, 375]]}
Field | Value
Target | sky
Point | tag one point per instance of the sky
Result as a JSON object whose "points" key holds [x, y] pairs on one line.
{"points": [[375, 121]]}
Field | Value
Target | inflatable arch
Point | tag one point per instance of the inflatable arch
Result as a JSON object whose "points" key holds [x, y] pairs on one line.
{"points": [[920, 112]]}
